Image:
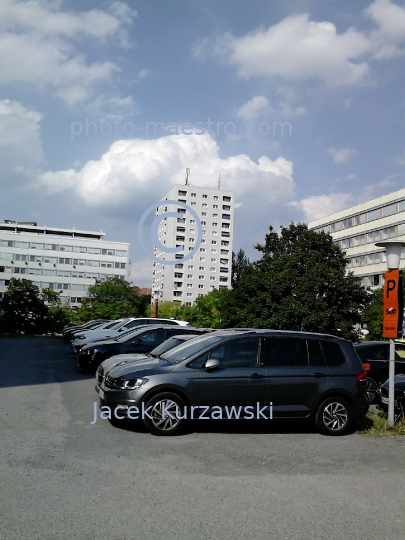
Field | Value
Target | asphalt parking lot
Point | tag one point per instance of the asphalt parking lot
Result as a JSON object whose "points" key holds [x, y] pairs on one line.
{"points": [[63, 477]]}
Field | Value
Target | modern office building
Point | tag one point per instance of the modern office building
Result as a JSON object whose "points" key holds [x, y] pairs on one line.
{"points": [[357, 230], [211, 266], [66, 260]]}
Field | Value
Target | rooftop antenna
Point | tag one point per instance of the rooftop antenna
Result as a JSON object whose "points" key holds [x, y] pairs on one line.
{"points": [[219, 181], [187, 175]]}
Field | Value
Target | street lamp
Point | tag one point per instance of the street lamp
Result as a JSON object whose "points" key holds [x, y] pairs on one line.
{"points": [[393, 250]]}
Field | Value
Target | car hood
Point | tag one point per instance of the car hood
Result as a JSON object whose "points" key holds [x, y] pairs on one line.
{"points": [[99, 343], [399, 382], [123, 358], [150, 366]]}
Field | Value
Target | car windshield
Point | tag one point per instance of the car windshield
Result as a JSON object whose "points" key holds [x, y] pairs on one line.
{"points": [[132, 332], [112, 324], [190, 348], [167, 346]]}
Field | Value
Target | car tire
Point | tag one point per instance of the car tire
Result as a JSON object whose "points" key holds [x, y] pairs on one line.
{"points": [[334, 416], [371, 390], [174, 409]]}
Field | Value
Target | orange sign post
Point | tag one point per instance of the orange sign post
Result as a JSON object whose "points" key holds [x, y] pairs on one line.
{"points": [[393, 304]]}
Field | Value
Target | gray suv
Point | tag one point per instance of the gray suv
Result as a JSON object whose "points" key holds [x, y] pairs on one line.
{"points": [[252, 374]]}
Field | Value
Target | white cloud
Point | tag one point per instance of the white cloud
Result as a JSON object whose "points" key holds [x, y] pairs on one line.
{"points": [[37, 46], [341, 155], [389, 17], [134, 174], [350, 177], [295, 48], [20, 141], [323, 205], [254, 108], [259, 106]]}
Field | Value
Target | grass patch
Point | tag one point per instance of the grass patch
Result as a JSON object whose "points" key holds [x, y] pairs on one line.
{"points": [[375, 423]]}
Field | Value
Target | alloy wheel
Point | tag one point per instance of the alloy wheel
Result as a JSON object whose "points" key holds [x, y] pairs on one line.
{"points": [[335, 416]]}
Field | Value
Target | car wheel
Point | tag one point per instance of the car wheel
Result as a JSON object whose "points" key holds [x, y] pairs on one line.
{"points": [[166, 412], [371, 390], [334, 416]]}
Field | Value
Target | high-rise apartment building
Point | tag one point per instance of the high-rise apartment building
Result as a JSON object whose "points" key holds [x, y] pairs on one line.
{"points": [[358, 228], [211, 265], [66, 260]]}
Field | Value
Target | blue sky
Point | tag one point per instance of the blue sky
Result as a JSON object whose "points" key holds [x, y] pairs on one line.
{"points": [[305, 100]]}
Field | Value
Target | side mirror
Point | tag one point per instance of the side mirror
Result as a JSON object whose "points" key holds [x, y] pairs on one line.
{"points": [[212, 364], [136, 342]]}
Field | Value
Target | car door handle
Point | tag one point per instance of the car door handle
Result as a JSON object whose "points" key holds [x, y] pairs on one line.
{"points": [[318, 375], [255, 376]]}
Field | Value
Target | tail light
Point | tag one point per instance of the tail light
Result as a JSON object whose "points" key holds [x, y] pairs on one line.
{"points": [[362, 376]]}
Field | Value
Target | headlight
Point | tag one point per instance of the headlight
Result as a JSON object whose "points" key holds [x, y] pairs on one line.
{"points": [[132, 384]]}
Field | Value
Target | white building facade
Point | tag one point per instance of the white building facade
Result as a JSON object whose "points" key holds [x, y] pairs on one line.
{"points": [[65, 260], [211, 266], [358, 228]]}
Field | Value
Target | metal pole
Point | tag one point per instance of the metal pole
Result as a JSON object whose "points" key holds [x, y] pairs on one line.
{"points": [[391, 388], [155, 308]]}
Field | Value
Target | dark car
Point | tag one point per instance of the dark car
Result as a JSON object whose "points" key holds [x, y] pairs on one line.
{"points": [[277, 374], [90, 325], [130, 358], [138, 340], [376, 354], [399, 395]]}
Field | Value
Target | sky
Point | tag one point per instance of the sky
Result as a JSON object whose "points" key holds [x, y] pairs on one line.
{"points": [[297, 104]]}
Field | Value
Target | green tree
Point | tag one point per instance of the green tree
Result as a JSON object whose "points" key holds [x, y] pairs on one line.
{"points": [[166, 309], [23, 310], [239, 264], [373, 316], [111, 299], [58, 315], [207, 310], [299, 283]]}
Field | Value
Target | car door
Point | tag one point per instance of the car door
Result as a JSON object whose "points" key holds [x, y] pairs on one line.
{"points": [[238, 381], [295, 375]]}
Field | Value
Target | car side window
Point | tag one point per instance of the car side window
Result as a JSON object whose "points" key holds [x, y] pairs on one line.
{"points": [[154, 337], [284, 352], [315, 353], [198, 362], [239, 353], [400, 351], [380, 354], [333, 353]]}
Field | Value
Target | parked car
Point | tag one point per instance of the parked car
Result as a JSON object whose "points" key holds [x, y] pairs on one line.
{"points": [[138, 340], [280, 374], [130, 358], [399, 395], [376, 354], [127, 325], [70, 330]]}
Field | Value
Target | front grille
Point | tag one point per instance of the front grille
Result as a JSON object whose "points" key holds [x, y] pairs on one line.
{"points": [[100, 374]]}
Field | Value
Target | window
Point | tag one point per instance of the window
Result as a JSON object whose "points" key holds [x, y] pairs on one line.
{"points": [[373, 258], [223, 279], [224, 251], [285, 352], [215, 206], [347, 223], [224, 243], [360, 219], [201, 277], [238, 353], [97, 251], [204, 205], [226, 199], [193, 203], [214, 242], [359, 240], [374, 214], [214, 233], [333, 353], [202, 250], [178, 274], [213, 260], [213, 269], [194, 194], [203, 214], [180, 238], [226, 216], [214, 215], [225, 233], [225, 225], [189, 294], [201, 268], [373, 236], [203, 223], [24, 245], [205, 196], [215, 197], [389, 210], [181, 229], [223, 269], [389, 232], [189, 285], [191, 240], [34, 245], [182, 193], [200, 286], [213, 251], [202, 259], [190, 267], [212, 278], [177, 293], [215, 224], [190, 276]]}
